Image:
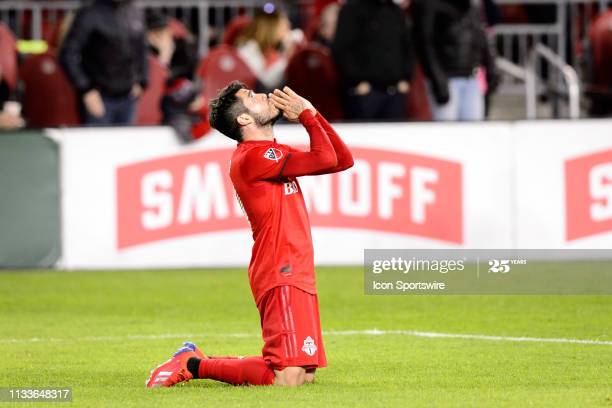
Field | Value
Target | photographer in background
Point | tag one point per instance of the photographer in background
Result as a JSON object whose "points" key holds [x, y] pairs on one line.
{"points": [[105, 56]]}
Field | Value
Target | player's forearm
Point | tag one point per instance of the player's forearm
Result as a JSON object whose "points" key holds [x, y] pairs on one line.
{"points": [[343, 154], [320, 146], [321, 155]]}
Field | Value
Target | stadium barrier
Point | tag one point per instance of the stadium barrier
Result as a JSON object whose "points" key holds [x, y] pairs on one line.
{"points": [[139, 198], [29, 200]]}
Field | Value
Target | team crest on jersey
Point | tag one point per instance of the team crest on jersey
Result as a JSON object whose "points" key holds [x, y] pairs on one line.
{"points": [[273, 154], [309, 346]]}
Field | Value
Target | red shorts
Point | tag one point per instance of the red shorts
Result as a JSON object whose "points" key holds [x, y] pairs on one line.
{"points": [[291, 329]]}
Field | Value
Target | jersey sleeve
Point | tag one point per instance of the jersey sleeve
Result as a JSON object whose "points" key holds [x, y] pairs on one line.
{"points": [[265, 162], [275, 161], [321, 155], [343, 154]]}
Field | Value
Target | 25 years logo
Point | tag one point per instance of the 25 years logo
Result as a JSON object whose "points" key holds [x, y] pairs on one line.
{"points": [[503, 265], [499, 266]]}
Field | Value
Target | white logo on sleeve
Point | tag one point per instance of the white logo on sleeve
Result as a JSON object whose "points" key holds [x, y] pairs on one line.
{"points": [[273, 154], [309, 346]]}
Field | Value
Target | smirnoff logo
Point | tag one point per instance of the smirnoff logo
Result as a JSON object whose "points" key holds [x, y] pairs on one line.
{"points": [[385, 191]]}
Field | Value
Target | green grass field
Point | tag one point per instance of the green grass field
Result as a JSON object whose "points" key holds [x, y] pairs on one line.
{"points": [[101, 332]]}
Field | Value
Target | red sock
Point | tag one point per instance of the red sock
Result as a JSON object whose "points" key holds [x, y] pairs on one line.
{"points": [[224, 357], [248, 370]]}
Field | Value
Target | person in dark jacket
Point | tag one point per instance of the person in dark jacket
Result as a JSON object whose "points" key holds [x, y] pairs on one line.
{"points": [[456, 57], [373, 52], [105, 56]]}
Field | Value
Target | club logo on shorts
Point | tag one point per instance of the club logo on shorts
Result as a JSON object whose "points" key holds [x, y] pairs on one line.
{"points": [[273, 154], [309, 346]]}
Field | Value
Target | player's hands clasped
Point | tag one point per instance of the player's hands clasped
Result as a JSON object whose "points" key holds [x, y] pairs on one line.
{"points": [[290, 103]]}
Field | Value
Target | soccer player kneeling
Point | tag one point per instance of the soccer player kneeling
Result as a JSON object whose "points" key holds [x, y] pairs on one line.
{"points": [[281, 272]]}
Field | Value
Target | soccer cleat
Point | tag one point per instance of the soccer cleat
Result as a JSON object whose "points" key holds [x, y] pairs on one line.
{"points": [[174, 371], [188, 346]]}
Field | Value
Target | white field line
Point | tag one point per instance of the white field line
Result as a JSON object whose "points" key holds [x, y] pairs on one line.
{"points": [[372, 332]]}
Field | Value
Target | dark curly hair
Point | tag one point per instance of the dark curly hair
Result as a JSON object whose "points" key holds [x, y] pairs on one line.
{"points": [[224, 110]]}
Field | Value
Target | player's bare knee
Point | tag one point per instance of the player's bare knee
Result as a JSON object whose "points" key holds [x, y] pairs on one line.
{"points": [[294, 378], [309, 377], [294, 381], [291, 377]]}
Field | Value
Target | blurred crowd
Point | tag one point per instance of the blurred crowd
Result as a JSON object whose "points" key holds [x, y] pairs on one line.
{"points": [[112, 63]]}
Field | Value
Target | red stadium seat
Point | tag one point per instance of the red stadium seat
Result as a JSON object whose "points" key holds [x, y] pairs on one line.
{"points": [[600, 36], [599, 90], [234, 29], [8, 57], [221, 66], [149, 103], [311, 27], [418, 103], [311, 73], [49, 98]]}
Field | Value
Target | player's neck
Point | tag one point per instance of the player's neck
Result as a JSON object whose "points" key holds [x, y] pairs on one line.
{"points": [[258, 134]]}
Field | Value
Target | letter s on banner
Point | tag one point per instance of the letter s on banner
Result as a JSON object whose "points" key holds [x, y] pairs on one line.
{"points": [[157, 199], [588, 195], [175, 196]]}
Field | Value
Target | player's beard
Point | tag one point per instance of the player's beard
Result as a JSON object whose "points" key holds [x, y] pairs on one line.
{"points": [[268, 121]]}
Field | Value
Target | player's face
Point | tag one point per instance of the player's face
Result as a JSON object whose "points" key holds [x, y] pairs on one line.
{"points": [[260, 107]]}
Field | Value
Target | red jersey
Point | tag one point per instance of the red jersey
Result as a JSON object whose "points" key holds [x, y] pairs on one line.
{"points": [[264, 177]]}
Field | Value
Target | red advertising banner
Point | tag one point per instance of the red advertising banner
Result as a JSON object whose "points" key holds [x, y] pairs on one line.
{"points": [[588, 195], [386, 191]]}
